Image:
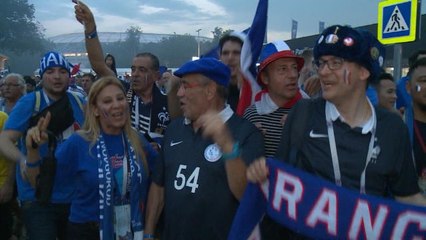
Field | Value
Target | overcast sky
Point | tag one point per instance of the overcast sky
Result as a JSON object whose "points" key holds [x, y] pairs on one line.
{"points": [[186, 16]]}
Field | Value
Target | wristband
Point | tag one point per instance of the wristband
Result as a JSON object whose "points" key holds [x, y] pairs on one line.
{"points": [[148, 236], [233, 154], [92, 34], [34, 164]]}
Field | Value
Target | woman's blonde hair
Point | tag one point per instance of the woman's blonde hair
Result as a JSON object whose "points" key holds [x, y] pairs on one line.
{"points": [[91, 127]]}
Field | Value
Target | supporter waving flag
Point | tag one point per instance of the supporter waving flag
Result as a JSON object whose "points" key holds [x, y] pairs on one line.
{"points": [[249, 55]]}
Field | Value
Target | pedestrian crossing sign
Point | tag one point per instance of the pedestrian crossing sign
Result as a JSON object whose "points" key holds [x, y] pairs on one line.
{"points": [[397, 21]]}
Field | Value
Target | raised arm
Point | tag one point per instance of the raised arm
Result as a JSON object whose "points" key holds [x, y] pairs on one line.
{"points": [[37, 134], [93, 46], [214, 127]]}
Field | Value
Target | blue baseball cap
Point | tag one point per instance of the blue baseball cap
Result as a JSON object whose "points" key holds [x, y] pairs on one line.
{"points": [[356, 46], [208, 67], [53, 59]]}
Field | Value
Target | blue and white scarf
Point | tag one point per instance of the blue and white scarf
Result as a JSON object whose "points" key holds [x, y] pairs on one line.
{"points": [[106, 191]]}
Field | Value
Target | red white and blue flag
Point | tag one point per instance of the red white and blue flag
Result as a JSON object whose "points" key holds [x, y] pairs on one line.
{"points": [[253, 38], [250, 52]]}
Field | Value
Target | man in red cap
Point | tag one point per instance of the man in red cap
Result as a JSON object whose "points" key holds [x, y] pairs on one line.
{"points": [[278, 75]]}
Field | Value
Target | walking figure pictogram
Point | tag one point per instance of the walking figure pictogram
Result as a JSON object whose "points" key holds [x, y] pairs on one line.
{"points": [[395, 19]]}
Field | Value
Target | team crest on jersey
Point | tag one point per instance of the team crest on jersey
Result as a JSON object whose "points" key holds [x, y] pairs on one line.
{"points": [[212, 153]]}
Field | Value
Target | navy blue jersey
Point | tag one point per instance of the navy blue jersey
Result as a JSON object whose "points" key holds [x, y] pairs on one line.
{"points": [[198, 201], [391, 172]]}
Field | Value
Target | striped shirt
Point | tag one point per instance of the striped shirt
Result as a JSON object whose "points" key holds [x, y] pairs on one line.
{"points": [[271, 125]]}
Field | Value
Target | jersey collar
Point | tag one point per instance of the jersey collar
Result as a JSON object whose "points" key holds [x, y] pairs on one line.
{"points": [[335, 114], [225, 114]]}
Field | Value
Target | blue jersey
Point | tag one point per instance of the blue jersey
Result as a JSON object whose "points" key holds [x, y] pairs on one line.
{"points": [[77, 161], [19, 121]]}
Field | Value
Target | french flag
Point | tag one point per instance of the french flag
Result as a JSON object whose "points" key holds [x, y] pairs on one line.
{"points": [[250, 52], [253, 38]]}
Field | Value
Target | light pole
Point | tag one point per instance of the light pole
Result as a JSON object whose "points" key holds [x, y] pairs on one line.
{"points": [[198, 41]]}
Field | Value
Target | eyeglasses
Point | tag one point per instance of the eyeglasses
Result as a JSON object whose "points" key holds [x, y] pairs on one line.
{"points": [[188, 85], [332, 64], [9, 85]]}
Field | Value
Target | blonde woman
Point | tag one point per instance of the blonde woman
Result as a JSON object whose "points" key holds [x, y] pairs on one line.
{"points": [[107, 163]]}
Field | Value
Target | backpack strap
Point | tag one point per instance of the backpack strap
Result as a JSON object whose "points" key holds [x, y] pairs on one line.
{"points": [[37, 102], [78, 100]]}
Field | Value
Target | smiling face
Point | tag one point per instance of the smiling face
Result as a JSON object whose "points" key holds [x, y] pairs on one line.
{"points": [[112, 109], [340, 79]]}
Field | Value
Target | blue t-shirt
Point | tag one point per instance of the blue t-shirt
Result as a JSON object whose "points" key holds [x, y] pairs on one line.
{"points": [[77, 160], [372, 95], [403, 99], [19, 121]]}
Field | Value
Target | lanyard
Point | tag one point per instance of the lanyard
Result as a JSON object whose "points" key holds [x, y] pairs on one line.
{"points": [[335, 159], [137, 113], [126, 167]]}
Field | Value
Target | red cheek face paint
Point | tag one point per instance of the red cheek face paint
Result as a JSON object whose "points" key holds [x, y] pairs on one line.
{"points": [[105, 114]]}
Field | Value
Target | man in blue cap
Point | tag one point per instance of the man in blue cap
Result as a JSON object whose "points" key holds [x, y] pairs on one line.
{"points": [[341, 137], [200, 175], [43, 221]]}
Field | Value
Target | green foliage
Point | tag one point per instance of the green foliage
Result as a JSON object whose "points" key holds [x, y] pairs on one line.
{"points": [[172, 52], [132, 40], [218, 32], [19, 31]]}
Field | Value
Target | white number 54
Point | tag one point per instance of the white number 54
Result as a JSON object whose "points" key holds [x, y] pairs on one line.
{"points": [[181, 181]]}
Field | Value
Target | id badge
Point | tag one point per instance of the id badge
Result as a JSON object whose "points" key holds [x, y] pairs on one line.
{"points": [[122, 222]]}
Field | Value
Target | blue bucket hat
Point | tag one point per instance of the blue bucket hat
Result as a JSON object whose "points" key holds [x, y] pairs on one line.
{"points": [[355, 46], [53, 59], [208, 67]]}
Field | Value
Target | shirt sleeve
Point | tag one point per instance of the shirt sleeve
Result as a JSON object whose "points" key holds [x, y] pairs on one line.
{"points": [[252, 145], [19, 117], [150, 154], [404, 182], [158, 173]]}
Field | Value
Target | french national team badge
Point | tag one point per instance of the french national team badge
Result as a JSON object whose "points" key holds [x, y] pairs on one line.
{"points": [[212, 153]]}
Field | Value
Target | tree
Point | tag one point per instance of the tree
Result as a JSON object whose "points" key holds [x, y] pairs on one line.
{"points": [[19, 31], [175, 50], [218, 33], [132, 42]]}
